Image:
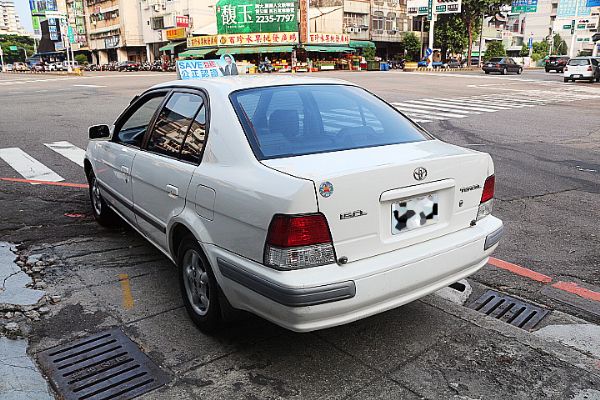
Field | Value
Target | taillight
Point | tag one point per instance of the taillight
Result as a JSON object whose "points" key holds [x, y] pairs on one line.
{"points": [[498, 65], [566, 68], [298, 241], [487, 197], [589, 68]]}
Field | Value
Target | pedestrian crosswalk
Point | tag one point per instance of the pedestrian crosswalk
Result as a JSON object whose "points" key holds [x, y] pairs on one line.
{"points": [[445, 108], [34, 170]]}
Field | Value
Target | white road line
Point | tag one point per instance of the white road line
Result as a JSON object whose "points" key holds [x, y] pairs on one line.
{"points": [[477, 102], [448, 104], [27, 166], [504, 102], [407, 109], [414, 115], [492, 103], [91, 86], [68, 150], [420, 120], [432, 110], [422, 103]]}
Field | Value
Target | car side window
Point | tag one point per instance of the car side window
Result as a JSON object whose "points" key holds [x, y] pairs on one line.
{"points": [[172, 124], [133, 129], [195, 139]]}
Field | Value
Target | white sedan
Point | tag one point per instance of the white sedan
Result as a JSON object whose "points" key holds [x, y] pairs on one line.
{"points": [[309, 202]]}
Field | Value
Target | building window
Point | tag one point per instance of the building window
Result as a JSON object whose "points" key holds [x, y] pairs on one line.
{"points": [[157, 23], [378, 21], [378, 2], [390, 22], [355, 20]]}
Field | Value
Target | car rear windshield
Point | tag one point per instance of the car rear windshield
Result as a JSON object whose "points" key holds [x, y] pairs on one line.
{"points": [[496, 60], [286, 121], [582, 61]]}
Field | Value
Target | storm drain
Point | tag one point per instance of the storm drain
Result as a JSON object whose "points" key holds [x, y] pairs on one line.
{"points": [[509, 309], [107, 365]]}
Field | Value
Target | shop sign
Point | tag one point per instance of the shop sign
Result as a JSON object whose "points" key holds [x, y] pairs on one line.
{"points": [[274, 38], [524, 6], [111, 42], [175, 33], [199, 69], [249, 16], [328, 38], [181, 21]]}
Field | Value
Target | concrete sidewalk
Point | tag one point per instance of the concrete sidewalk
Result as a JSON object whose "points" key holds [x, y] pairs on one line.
{"points": [[431, 348]]}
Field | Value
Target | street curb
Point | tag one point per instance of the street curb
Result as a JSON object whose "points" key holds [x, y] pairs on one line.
{"points": [[563, 353]]}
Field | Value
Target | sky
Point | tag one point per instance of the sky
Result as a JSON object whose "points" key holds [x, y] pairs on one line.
{"points": [[24, 14]]}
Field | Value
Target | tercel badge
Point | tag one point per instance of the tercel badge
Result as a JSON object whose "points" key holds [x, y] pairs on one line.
{"points": [[326, 189]]}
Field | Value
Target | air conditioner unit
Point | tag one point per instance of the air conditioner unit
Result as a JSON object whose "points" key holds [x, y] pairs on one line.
{"points": [[157, 7], [364, 27]]}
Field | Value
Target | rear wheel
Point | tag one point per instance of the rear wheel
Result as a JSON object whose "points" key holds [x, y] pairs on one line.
{"points": [[504, 71], [199, 287], [487, 72], [592, 80], [103, 214], [519, 71], [565, 79]]}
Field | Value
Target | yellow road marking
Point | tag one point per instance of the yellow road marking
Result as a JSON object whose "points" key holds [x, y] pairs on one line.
{"points": [[127, 297]]}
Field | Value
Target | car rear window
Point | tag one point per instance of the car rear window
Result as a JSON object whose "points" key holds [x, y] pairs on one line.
{"points": [[286, 121], [496, 59], [581, 61]]}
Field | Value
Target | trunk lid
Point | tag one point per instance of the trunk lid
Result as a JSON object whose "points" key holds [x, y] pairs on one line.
{"points": [[359, 190]]}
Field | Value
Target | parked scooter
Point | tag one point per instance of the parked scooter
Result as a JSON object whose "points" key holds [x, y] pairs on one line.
{"points": [[265, 67]]}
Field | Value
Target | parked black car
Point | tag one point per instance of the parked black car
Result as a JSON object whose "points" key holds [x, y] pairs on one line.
{"points": [[502, 65], [556, 63], [128, 66]]}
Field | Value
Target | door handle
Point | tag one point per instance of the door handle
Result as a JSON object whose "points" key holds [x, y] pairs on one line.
{"points": [[172, 191], [125, 170]]}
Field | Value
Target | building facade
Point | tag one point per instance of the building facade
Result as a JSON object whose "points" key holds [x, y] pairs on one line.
{"points": [[166, 24], [114, 29], [10, 23]]}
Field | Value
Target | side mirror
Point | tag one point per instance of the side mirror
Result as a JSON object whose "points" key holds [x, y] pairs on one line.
{"points": [[98, 131]]}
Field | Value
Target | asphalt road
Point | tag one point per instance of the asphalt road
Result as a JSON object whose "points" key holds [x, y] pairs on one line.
{"points": [[547, 159]]}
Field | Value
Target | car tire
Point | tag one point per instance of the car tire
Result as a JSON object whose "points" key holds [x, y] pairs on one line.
{"points": [[199, 288], [504, 71], [103, 214], [519, 71], [565, 79], [592, 80], [487, 72]]}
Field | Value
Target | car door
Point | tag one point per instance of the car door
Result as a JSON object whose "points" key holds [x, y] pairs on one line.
{"points": [[161, 174], [115, 157]]}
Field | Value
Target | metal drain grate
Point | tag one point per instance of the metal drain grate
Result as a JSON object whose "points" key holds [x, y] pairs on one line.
{"points": [[509, 309], [107, 365]]}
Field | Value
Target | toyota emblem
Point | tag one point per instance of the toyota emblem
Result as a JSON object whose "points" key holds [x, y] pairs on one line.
{"points": [[420, 173]]}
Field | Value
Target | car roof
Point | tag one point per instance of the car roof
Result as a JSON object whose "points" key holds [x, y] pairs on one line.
{"points": [[230, 84]]}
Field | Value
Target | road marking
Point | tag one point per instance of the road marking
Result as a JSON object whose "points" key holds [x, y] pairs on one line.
{"points": [[68, 150], [421, 115], [485, 104], [448, 104], [426, 105], [577, 290], [413, 108], [517, 269], [27, 166], [126, 288], [91, 86], [37, 182]]}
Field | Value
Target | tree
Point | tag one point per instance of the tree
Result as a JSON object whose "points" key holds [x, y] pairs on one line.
{"points": [[22, 42], [471, 13], [559, 45], [81, 59], [450, 34], [495, 49], [412, 46], [369, 53]]}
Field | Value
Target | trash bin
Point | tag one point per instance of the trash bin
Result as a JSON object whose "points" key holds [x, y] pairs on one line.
{"points": [[373, 65], [383, 66]]}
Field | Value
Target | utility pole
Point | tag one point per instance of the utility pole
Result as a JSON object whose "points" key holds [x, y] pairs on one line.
{"points": [[480, 63], [1, 61], [431, 16], [574, 29], [422, 29]]}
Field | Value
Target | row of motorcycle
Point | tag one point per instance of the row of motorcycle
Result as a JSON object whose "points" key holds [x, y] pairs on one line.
{"points": [[130, 66]]}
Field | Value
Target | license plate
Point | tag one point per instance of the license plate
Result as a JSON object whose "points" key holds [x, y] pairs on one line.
{"points": [[414, 213]]}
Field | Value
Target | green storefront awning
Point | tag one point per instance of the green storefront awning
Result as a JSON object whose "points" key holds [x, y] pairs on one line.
{"points": [[170, 46], [361, 44], [255, 50], [197, 52], [329, 49]]}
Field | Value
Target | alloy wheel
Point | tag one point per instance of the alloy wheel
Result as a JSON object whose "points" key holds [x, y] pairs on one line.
{"points": [[196, 282]]}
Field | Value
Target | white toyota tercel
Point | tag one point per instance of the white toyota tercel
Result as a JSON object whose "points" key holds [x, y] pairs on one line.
{"points": [[309, 202]]}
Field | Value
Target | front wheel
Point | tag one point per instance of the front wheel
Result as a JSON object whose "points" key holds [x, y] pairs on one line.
{"points": [[504, 71], [565, 79], [198, 285], [103, 214], [519, 71], [487, 72]]}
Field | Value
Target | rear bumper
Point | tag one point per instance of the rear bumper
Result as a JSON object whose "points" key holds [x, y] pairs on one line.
{"points": [[583, 76], [321, 297]]}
